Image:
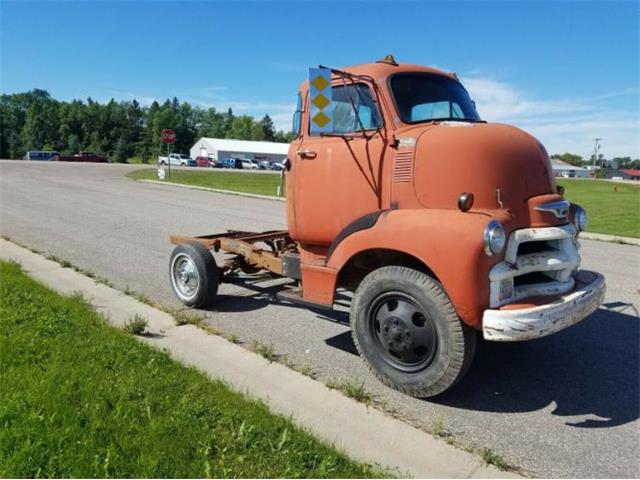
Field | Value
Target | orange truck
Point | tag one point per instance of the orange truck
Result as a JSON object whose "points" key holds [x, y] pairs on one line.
{"points": [[441, 224]]}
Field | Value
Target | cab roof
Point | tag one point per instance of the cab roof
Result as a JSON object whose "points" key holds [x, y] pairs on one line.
{"points": [[383, 69]]}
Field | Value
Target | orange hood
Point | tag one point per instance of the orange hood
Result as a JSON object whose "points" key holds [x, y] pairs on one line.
{"points": [[481, 158]]}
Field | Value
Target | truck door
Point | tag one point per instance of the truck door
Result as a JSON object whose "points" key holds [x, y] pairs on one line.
{"points": [[336, 179]]}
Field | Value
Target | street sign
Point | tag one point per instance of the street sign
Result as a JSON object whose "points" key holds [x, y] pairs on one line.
{"points": [[321, 100], [168, 136]]}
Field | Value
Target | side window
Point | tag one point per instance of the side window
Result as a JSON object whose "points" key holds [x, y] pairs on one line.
{"points": [[345, 98], [297, 117]]}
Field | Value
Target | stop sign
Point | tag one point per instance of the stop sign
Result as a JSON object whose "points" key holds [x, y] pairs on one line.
{"points": [[168, 135]]}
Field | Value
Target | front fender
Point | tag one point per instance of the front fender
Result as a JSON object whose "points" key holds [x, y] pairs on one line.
{"points": [[448, 242]]}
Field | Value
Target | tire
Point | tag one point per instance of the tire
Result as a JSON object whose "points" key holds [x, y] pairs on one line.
{"points": [[406, 329], [194, 275], [183, 164]]}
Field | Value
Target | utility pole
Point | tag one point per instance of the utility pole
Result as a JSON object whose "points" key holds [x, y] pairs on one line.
{"points": [[596, 149]]}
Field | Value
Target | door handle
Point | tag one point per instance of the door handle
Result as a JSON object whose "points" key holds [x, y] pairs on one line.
{"points": [[306, 153]]}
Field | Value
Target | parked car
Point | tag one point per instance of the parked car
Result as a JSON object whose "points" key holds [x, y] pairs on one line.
{"points": [[230, 163], [278, 166], [179, 159], [248, 164], [41, 155], [83, 157], [264, 165], [203, 162], [192, 163]]}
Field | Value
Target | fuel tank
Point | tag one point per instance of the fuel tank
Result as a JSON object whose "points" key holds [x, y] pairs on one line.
{"points": [[503, 166]]}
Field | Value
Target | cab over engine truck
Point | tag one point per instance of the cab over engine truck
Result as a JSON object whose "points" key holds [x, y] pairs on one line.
{"points": [[441, 224]]}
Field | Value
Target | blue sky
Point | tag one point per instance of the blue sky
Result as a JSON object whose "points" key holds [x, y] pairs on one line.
{"points": [[564, 71]]}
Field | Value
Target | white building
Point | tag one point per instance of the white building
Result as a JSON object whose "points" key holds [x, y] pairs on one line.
{"points": [[221, 148], [562, 169]]}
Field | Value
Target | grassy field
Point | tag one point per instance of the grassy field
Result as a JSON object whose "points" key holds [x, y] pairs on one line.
{"points": [[610, 211], [82, 399], [257, 183]]}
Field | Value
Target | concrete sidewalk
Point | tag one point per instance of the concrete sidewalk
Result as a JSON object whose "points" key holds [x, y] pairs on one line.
{"points": [[364, 433]]}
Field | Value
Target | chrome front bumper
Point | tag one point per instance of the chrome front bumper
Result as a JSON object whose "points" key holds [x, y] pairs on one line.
{"points": [[510, 325]]}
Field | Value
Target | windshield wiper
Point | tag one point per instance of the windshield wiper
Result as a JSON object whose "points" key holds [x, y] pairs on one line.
{"points": [[452, 119]]}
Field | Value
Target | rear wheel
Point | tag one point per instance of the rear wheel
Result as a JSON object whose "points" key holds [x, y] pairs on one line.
{"points": [[406, 328], [194, 275]]}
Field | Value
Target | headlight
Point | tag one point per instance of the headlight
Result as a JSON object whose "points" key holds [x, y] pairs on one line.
{"points": [[494, 238], [581, 219]]}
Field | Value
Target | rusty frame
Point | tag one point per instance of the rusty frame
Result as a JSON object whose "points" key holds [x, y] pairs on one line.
{"points": [[243, 244]]}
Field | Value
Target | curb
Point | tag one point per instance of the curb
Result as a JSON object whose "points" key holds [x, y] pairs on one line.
{"points": [[363, 433], [609, 238], [208, 189]]}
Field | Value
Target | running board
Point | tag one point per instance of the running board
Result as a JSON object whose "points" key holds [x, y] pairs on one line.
{"points": [[294, 296]]}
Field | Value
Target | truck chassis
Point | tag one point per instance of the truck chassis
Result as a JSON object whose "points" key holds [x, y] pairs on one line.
{"points": [[248, 255]]}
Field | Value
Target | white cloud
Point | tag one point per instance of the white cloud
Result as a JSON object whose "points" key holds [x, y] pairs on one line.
{"points": [[563, 124]]}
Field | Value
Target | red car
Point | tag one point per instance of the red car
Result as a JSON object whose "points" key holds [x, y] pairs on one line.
{"points": [[83, 157], [205, 162]]}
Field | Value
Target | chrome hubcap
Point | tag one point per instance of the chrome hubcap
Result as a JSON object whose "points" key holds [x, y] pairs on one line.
{"points": [[185, 276]]}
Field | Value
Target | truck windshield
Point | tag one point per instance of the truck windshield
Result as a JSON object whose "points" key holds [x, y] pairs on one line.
{"points": [[425, 97]]}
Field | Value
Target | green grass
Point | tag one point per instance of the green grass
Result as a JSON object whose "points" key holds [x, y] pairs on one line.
{"points": [[256, 183], [610, 211], [82, 399]]}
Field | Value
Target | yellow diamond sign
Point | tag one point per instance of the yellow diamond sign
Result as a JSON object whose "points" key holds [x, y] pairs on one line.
{"points": [[320, 83], [321, 119], [321, 101]]}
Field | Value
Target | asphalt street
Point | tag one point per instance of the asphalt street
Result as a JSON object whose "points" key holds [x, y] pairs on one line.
{"points": [[561, 406]]}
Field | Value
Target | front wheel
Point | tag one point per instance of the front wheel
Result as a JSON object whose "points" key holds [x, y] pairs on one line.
{"points": [[406, 328], [194, 275]]}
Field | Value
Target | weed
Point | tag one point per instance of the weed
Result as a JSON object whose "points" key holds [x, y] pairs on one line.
{"points": [[490, 457], [63, 263], [136, 325], [142, 298], [307, 370], [351, 388], [210, 329], [263, 350], [185, 317], [232, 338]]}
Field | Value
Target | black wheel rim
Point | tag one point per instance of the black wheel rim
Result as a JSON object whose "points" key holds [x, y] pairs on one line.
{"points": [[404, 334]]}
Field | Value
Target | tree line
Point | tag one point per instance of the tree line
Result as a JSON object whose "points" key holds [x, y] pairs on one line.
{"points": [[121, 130]]}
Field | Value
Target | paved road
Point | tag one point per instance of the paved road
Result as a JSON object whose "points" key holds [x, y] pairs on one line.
{"points": [[561, 406]]}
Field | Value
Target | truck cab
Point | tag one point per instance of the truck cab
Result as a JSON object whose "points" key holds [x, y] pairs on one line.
{"points": [[444, 226], [411, 182]]}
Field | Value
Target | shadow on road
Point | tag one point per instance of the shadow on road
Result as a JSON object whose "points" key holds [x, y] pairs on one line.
{"points": [[590, 370]]}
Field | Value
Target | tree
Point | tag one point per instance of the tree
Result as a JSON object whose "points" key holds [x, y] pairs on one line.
{"points": [[268, 128], [119, 129], [241, 128]]}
